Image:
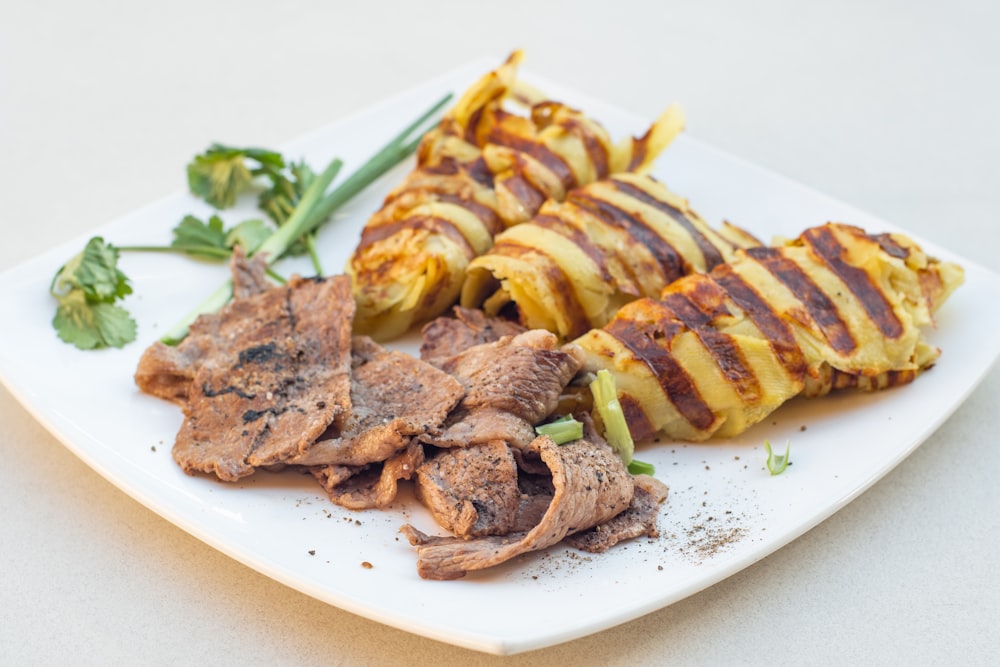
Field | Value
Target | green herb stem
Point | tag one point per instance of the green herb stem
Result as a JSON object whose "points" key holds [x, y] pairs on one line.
{"points": [[298, 223], [314, 208], [206, 250], [219, 298], [385, 159], [310, 240]]}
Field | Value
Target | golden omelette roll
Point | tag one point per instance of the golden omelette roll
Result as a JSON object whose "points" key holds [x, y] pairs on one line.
{"points": [[718, 352], [481, 170], [577, 262]]}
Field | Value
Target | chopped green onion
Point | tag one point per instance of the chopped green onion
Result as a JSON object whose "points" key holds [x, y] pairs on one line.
{"points": [[563, 430], [615, 427], [777, 464], [640, 467]]}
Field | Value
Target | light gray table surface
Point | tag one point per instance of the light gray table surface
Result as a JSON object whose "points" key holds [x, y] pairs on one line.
{"points": [[890, 106]]}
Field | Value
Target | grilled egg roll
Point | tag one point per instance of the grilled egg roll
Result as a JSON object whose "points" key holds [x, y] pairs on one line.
{"points": [[480, 171], [578, 261], [718, 352]]}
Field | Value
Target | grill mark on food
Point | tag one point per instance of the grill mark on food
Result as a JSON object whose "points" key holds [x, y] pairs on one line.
{"points": [[669, 260], [596, 151], [479, 172], [771, 326], [581, 240], [638, 423], [491, 221], [676, 383], [527, 194], [899, 378], [819, 305], [889, 245], [879, 310], [712, 255], [640, 148], [727, 354], [540, 152], [930, 284], [447, 166], [473, 125], [569, 302], [373, 234]]}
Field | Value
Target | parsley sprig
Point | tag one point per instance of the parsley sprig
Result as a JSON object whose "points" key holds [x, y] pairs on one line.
{"points": [[88, 287], [222, 173]]}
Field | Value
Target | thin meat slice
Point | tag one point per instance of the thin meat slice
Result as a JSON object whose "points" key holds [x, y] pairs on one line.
{"points": [[472, 491], [268, 375], [590, 486], [249, 276], [167, 371], [637, 521], [510, 385], [371, 486], [445, 337], [394, 397]]}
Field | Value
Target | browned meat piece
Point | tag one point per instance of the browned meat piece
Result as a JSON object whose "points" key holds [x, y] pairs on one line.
{"points": [[166, 371], [249, 276], [393, 398], [638, 520], [510, 386], [590, 484], [447, 336], [372, 486], [471, 491], [261, 379]]}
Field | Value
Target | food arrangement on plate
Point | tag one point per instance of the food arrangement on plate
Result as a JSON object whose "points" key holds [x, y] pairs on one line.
{"points": [[568, 303]]}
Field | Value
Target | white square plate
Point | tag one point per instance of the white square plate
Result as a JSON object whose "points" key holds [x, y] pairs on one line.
{"points": [[724, 511]]}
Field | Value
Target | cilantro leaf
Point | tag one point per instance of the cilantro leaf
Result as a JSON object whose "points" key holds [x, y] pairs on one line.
{"points": [[222, 173], [95, 272], [250, 234], [285, 192], [192, 233], [211, 240], [92, 325], [86, 288]]}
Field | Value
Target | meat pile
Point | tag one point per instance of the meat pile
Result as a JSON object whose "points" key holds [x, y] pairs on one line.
{"points": [[275, 380]]}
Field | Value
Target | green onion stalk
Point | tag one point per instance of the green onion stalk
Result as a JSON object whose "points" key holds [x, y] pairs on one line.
{"points": [[314, 209], [615, 425]]}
